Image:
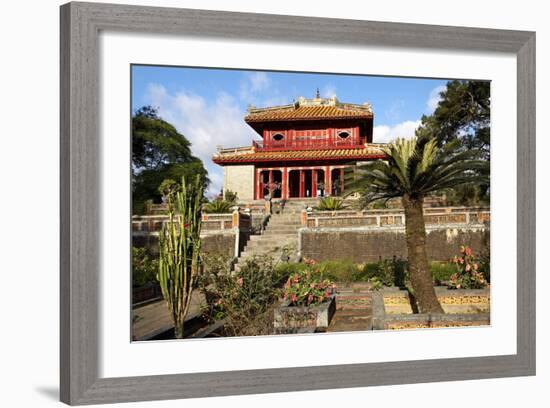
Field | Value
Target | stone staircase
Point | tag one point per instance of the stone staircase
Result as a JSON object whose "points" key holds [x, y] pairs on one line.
{"points": [[280, 233], [353, 310]]}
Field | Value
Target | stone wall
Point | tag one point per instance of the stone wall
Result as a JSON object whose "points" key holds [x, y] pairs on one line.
{"points": [[239, 179], [370, 245], [222, 243]]}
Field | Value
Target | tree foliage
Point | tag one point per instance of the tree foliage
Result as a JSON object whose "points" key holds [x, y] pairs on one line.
{"points": [[159, 152], [463, 114]]}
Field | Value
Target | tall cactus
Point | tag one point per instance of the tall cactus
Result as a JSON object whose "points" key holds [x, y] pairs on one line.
{"points": [[180, 245]]}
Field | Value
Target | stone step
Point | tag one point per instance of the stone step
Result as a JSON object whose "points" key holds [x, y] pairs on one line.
{"points": [[250, 254], [353, 315], [269, 236], [345, 326], [342, 303], [282, 229], [284, 222], [265, 248]]}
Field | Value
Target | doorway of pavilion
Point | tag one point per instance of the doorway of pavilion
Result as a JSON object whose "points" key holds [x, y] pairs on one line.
{"points": [[337, 181], [309, 183], [271, 182]]}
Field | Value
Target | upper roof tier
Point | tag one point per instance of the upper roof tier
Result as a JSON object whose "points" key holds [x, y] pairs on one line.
{"points": [[309, 109]]}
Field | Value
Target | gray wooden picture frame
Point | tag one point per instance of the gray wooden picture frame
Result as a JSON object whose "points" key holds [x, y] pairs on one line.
{"points": [[80, 237]]}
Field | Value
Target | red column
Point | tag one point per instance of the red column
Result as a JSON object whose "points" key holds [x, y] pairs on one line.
{"points": [[271, 183], [284, 184], [342, 180], [258, 184], [328, 189], [313, 183], [302, 184]]}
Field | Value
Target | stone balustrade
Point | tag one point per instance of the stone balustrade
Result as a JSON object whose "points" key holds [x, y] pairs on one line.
{"points": [[394, 217]]}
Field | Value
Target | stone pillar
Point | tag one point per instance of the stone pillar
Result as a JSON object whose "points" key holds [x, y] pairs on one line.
{"points": [[303, 217], [234, 218]]}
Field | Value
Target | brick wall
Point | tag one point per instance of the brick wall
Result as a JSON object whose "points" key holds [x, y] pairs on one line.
{"points": [[370, 246]]}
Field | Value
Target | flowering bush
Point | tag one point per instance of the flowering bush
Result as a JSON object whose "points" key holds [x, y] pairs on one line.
{"points": [[306, 288], [242, 298], [467, 275]]}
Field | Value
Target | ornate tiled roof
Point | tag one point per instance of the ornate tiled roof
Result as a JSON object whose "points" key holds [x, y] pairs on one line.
{"points": [[251, 155], [309, 109]]}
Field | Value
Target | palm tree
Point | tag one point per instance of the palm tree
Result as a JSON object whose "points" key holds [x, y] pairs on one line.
{"points": [[412, 169]]}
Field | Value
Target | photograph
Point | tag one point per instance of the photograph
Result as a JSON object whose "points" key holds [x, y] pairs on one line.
{"points": [[284, 203]]}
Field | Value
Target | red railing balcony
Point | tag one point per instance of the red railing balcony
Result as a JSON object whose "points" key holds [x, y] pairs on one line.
{"points": [[304, 145]]}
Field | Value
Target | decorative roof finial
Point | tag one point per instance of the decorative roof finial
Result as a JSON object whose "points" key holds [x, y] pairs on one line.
{"points": [[318, 95]]}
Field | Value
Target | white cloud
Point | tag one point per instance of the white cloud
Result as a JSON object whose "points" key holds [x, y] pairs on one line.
{"points": [[384, 134], [434, 98], [328, 91], [252, 84], [259, 81], [205, 124], [393, 113]]}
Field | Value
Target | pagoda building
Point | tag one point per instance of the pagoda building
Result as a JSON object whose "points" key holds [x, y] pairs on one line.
{"points": [[303, 151]]}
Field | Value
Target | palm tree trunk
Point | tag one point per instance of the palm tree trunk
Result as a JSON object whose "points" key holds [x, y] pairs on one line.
{"points": [[421, 279]]}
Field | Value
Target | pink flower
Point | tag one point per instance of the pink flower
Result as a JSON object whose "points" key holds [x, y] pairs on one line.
{"points": [[468, 251], [467, 268], [476, 266], [461, 260], [240, 282], [294, 298], [310, 298]]}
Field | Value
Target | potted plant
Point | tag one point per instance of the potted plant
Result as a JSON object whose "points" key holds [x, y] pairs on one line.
{"points": [[309, 302]]}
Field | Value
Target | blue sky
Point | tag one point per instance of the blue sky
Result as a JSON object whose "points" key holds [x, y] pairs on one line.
{"points": [[208, 105]]}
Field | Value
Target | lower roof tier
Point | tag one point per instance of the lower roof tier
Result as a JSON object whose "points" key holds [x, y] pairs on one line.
{"points": [[249, 155]]}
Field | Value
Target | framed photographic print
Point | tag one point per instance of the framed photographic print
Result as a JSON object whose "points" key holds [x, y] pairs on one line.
{"points": [[283, 203]]}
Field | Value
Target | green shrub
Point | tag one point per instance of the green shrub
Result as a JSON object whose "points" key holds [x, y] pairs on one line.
{"points": [[218, 207], [441, 271], [344, 271], [284, 270], [330, 204], [231, 196], [376, 284], [485, 265], [144, 267], [388, 272]]}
